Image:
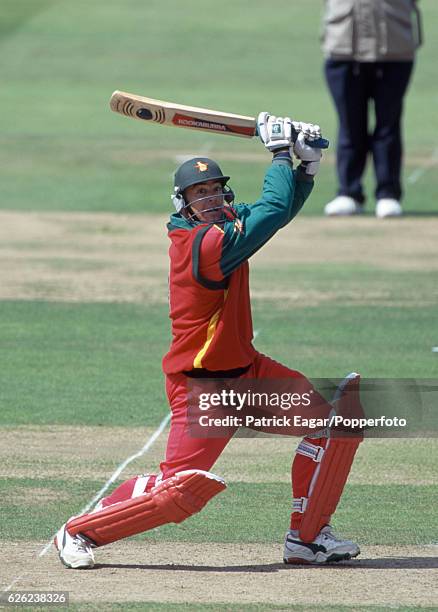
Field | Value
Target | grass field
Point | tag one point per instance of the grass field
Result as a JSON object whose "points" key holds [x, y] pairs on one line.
{"points": [[83, 305], [61, 61]]}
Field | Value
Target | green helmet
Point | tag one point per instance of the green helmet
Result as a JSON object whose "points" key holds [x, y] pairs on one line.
{"points": [[192, 172]]}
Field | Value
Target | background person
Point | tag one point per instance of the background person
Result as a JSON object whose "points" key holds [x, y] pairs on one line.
{"points": [[369, 47]]}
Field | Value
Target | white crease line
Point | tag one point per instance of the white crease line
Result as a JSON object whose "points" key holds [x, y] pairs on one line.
{"points": [[255, 333], [108, 483], [8, 588], [419, 172]]}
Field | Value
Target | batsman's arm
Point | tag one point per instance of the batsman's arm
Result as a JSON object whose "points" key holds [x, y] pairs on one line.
{"points": [[284, 193]]}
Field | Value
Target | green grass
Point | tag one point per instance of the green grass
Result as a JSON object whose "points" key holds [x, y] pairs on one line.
{"points": [[91, 364], [331, 340], [78, 181], [17, 13], [62, 148], [101, 363], [409, 512]]}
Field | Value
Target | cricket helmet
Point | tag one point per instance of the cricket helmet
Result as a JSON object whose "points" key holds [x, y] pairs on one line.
{"points": [[198, 170], [194, 171]]}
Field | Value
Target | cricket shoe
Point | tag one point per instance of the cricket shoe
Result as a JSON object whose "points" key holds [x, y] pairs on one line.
{"points": [[343, 206], [325, 548], [388, 207], [75, 552]]}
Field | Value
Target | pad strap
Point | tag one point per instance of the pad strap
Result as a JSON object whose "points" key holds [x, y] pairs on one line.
{"points": [[299, 504], [310, 450], [140, 485]]}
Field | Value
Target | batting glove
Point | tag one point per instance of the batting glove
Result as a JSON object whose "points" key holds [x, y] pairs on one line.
{"points": [[310, 157], [274, 132], [310, 130]]}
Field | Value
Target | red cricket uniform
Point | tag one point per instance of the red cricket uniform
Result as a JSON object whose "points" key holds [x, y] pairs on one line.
{"points": [[209, 276], [211, 319], [211, 312]]}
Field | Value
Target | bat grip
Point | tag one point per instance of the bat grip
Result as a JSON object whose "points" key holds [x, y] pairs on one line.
{"points": [[319, 143]]}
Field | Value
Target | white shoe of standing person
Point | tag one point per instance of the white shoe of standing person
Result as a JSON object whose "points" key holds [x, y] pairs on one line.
{"points": [[388, 207], [75, 552], [343, 206]]}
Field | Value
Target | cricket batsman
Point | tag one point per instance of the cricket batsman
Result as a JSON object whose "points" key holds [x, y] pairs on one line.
{"points": [[211, 242]]}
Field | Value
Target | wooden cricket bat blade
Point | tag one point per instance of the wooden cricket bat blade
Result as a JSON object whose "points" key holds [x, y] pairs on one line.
{"points": [[178, 115]]}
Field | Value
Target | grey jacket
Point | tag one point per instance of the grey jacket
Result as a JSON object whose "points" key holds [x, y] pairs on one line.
{"points": [[371, 30]]}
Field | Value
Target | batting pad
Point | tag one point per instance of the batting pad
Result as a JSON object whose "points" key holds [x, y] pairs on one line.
{"points": [[171, 501], [327, 485]]}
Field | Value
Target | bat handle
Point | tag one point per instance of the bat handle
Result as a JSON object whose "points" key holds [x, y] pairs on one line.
{"points": [[320, 143]]}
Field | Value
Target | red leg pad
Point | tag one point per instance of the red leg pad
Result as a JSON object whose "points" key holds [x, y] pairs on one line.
{"points": [[327, 485], [171, 501]]}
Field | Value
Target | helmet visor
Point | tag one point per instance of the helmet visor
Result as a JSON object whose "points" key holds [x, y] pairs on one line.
{"points": [[209, 209]]}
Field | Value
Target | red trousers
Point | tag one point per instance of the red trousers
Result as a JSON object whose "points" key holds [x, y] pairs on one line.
{"points": [[185, 452]]}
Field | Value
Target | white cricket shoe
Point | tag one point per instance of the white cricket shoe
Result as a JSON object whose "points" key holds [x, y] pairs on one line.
{"points": [[343, 206], [326, 547], [388, 207], [74, 551]]}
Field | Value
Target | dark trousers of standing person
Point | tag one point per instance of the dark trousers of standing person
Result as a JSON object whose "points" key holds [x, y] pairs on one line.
{"points": [[353, 85]]}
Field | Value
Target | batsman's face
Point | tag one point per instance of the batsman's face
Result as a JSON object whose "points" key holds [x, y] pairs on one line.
{"points": [[204, 197]]}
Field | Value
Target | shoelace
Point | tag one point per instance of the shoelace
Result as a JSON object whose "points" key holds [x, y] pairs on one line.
{"points": [[81, 544], [330, 535]]}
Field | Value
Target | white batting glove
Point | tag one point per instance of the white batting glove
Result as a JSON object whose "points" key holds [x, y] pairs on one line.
{"points": [[309, 156], [274, 132], [310, 130]]}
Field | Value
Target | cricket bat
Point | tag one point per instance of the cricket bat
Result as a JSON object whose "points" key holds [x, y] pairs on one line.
{"points": [[190, 117]]}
